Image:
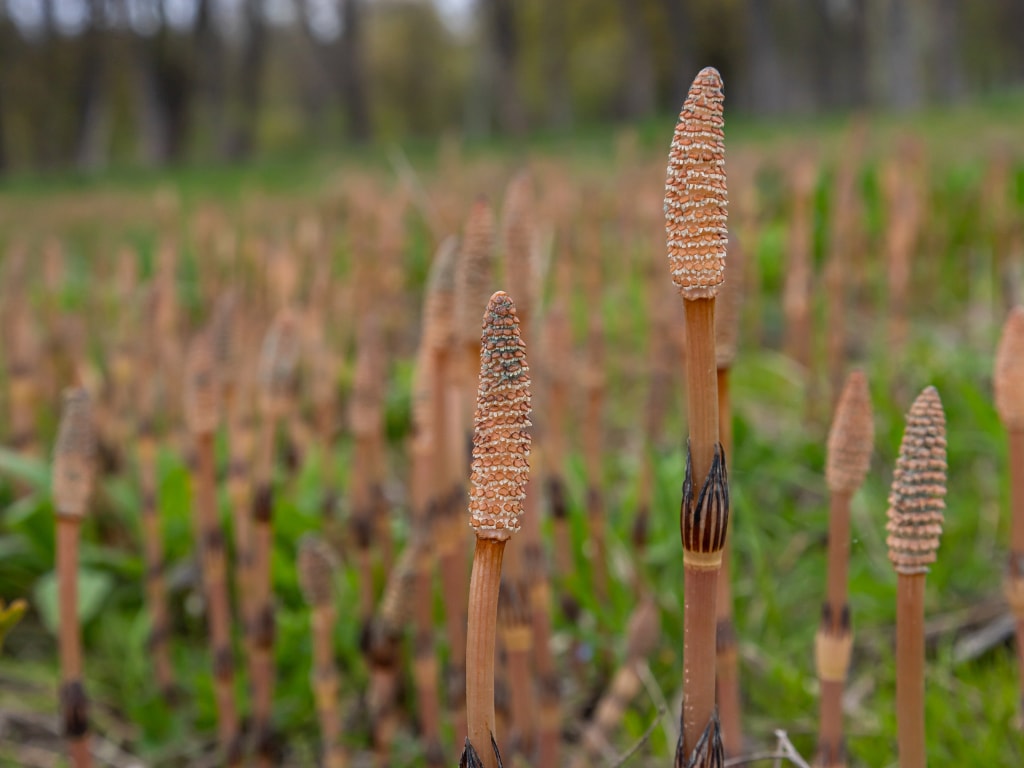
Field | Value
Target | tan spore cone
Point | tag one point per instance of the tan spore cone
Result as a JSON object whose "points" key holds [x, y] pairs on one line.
{"points": [[501, 440], [317, 565], [917, 498], [851, 438], [695, 191], [475, 269], [74, 455]]}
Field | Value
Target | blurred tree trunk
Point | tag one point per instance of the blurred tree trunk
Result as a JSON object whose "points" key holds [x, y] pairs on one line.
{"points": [[849, 51], [904, 79], [504, 43], [684, 67], [210, 61], [764, 65], [556, 65], [947, 63], [638, 98], [92, 119], [353, 71], [250, 83]]}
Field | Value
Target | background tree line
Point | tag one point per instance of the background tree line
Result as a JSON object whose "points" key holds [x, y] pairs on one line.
{"points": [[84, 82]]}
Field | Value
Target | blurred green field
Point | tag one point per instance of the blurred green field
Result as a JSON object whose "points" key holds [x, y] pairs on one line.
{"points": [[958, 302]]}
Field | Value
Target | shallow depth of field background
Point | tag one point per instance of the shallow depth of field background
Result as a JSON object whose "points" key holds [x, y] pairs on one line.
{"points": [[221, 125]]}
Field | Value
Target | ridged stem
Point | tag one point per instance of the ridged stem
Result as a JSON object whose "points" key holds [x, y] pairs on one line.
{"points": [[484, 588], [699, 630], [73, 703], [214, 575], [1016, 473], [700, 588], [701, 384], [910, 670], [325, 685]]}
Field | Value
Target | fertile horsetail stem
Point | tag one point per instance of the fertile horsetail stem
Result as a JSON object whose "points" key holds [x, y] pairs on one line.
{"points": [[73, 472], [317, 566], [695, 225], [498, 478], [1009, 396], [916, 502], [202, 414], [849, 456]]}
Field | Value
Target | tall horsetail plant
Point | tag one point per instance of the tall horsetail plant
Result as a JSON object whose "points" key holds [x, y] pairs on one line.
{"points": [[73, 473], [472, 286], [317, 566], [695, 224], [526, 627], [153, 552], [916, 501], [279, 359], [1009, 396], [365, 421], [383, 650], [202, 414], [498, 478], [727, 326], [849, 458], [430, 488]]}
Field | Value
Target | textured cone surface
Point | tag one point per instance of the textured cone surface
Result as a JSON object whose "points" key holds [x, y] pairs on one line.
{"points": [[201, 401], [279, 357], [317, 566], [918, 490], [1009, 371], [474, 276], [501, 439], [74, 454], [695, 191], [851, 437]]}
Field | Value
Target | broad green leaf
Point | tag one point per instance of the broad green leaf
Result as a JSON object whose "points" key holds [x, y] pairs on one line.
{"points": [[93, 588]]}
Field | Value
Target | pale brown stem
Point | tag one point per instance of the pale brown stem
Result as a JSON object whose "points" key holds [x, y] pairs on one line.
{"points": [[701, 385], [73, 703], [910, 670], [325, 685], [261, 620], [1017, 490], [484, 587], [728, 686], [550, 722], [67, 577], [699, 628], [700, 588], [830, 735], [214, 574], [838, 554], [518, 643]]}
